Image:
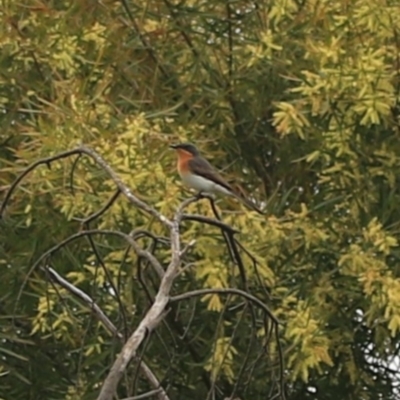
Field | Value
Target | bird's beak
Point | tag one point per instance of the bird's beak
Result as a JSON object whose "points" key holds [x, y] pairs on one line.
{"points": [[173, 146]]}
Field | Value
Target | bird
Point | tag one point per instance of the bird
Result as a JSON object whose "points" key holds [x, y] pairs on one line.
{"points": [[197, 173]]}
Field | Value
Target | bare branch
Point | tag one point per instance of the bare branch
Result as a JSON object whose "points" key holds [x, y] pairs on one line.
{"points": [[109, 279], [187, 248], [123, 188], [55, 277], [154, 315], [86, 221], [159, 305], [102, 163], [230, 43], [71, 175], [202, 292], [139, 251], [29, 169], [144, 395], [209, 221], [146, 45], [281, 364], [231, 245]]}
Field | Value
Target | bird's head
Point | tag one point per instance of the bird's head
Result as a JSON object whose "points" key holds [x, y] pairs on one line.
{"points": [[186, 147]]}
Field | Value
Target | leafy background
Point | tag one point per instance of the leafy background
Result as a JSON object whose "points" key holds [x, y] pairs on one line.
{"points": [[298, 103]]}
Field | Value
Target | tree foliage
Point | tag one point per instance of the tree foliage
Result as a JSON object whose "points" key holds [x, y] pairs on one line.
{"points": [[297, 103]]}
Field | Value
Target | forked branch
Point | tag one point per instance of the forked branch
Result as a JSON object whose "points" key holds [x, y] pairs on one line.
{"points": [[166, 275]]}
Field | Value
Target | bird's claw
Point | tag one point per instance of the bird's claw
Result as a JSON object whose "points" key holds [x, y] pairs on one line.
{"points": [[200, 196]]}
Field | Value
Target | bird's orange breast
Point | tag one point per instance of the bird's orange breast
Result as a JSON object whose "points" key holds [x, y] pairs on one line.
{"points": [[183, 161]]}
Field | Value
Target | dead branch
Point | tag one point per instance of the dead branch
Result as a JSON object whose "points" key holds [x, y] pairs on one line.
{"points": [[209, 221], [251, 298], [139, 251], [102, 163], [57, 278], [154, 315], [159, 305], [86, 221], [144, 395]]}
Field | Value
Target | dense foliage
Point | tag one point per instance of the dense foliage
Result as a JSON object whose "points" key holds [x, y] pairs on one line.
{"points": [[298, 102]]}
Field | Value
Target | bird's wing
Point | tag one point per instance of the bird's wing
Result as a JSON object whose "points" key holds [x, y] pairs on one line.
{"points": [[202, 167]]}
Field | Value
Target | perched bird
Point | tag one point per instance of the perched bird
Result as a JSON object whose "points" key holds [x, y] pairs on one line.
{"points": [[197, 173]]}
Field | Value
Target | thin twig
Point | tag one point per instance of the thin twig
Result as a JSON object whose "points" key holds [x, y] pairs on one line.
{"points": [[139, 251], [245, 361], [154, 315], [144, 395], [216, 371], [101, 211], [230, 43], [159, 305], [55, 277], [71, 175], [202, 292], [43, 161], [281, 364], [110, 280], [102, 163], [145, 44], [209, 221]]}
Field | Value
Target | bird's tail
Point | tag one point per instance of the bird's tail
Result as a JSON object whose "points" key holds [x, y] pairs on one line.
{"points": [[248, 203], [243, 199]]}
